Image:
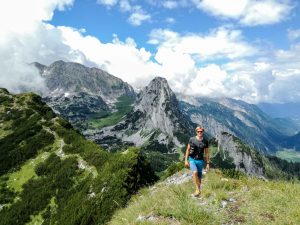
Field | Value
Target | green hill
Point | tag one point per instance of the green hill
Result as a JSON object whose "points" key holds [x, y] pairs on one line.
{"points": [[50, 174], [224, 200]]}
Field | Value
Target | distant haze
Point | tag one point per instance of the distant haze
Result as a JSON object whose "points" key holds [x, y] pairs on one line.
{"points": [[291, 110]]}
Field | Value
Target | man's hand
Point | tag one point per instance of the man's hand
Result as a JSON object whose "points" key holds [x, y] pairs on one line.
{"points": [[207, 167], [186, 163]]}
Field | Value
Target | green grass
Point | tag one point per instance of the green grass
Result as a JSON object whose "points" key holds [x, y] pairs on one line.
{"points": [[289, 155], [20, 177], [255, 202], [123, 106]]}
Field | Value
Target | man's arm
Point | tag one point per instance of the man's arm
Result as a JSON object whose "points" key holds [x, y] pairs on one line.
{"points": [[187, 153], [207, 158]]}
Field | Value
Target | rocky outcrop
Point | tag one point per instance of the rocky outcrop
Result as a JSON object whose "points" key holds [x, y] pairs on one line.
{"points": [[155, 118], [241, 156]]}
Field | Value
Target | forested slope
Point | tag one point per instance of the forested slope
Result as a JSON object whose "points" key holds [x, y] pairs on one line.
{"points": [[49, 173]]}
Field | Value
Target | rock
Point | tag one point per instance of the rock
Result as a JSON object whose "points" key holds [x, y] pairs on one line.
{"points": [[178, 178], [224, 179], [223, 204], [232, 200]]}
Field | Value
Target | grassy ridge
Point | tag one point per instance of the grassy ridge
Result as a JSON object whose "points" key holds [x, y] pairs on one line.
{"points": [[224, 201]]}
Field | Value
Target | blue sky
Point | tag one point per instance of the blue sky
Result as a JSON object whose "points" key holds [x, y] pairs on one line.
{"points": [[243, 49], [102, 19]]}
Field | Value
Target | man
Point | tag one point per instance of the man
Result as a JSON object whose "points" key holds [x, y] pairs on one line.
{"points": [[194, 157]]}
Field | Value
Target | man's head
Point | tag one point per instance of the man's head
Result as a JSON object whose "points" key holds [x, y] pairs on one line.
{"points": [[199, 131]]}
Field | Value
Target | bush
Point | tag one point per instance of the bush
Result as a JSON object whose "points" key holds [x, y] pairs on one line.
{"points": [[173, 168], [232, 173]]}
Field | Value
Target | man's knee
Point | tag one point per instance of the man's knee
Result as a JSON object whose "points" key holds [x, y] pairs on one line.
{"points": [[195, 173]]}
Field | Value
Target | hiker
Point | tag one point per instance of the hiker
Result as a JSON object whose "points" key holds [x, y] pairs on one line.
{"points": [[194, 157]]}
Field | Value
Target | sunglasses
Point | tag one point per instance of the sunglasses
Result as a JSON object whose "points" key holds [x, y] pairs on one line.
{"points": [[199, 131]]}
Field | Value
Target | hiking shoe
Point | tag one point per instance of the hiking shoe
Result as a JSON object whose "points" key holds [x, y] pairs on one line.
{"points": [[196, 195]]}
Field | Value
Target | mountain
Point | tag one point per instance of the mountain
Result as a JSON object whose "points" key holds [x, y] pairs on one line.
{"points": [[243, 120], [232, 153], [292, 142], [283, 110], [287, 125], [155, 123], [80, 93], [155, 115], [290, 110], [102, 107], [50, 174]]}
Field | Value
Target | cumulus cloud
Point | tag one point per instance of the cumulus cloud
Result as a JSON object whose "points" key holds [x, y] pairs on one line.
{"points": [[221, 63], [122, 59], [247, 12], [219, 43], [138, 16], [24, 38]]}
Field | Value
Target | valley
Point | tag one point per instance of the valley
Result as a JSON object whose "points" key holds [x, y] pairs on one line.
{"points": [[289, 155]]}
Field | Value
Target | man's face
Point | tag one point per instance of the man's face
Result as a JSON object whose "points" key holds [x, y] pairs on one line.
{"points": [[200, 132]]}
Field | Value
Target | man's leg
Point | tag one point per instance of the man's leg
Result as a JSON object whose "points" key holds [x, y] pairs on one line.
{"points": [[198, 176], [197, 182], [194, 168]]}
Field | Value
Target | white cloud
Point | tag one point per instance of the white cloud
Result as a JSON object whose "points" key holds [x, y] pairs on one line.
{"points": [[293, 34], [170, 20], [225, 8], [221, 63], [107, 2], [24, 38], [137, 14], [170, 4], [125, 5], [209, 81], [138, 17], [219, 43], [122, 59], [265, 12], [248, 12]]}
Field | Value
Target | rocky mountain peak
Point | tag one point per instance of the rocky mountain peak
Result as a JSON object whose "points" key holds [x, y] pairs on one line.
{"points": [[70, 78], [39, 66], [156, 116], [158, 84], [157, 94]]}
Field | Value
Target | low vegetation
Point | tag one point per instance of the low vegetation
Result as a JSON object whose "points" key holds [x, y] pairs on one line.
{"points": [[224, 200]]}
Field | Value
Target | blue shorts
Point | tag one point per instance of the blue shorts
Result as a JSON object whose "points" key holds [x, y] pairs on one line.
{"points": [[196, 165]]}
